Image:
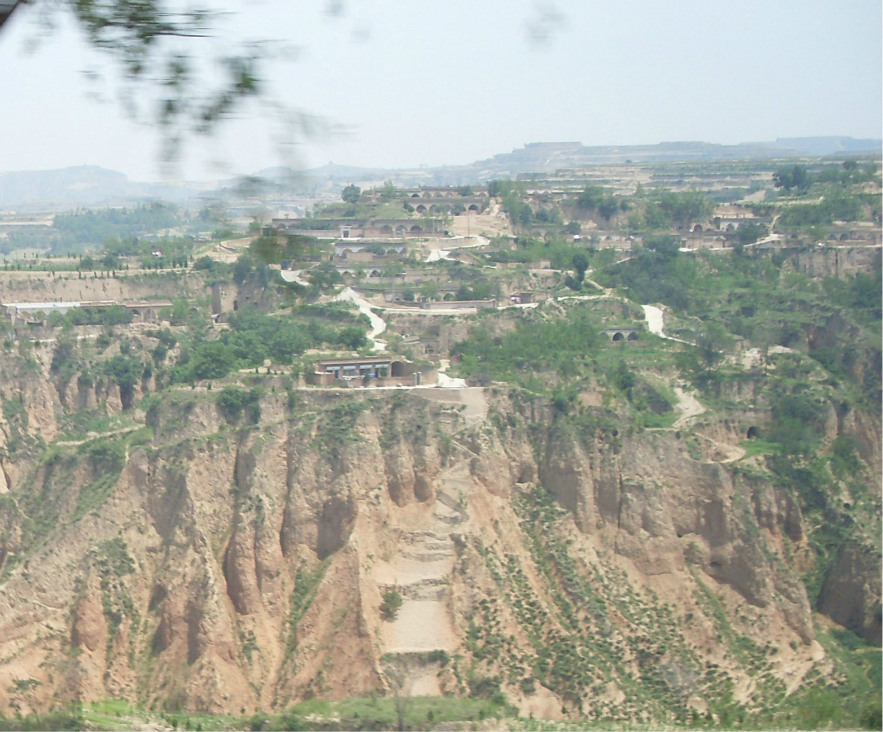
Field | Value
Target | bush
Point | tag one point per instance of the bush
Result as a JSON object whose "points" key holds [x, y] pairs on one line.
{"points": [[233, 401], [872, 715], [798, 423], [213, 267], [392, 603], [125, 371]]}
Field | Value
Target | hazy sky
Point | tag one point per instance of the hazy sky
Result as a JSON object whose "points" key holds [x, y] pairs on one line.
{"points": [[452, 81]]}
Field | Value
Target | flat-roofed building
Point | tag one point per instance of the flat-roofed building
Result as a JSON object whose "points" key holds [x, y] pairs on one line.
{"points": [[370, 371]]}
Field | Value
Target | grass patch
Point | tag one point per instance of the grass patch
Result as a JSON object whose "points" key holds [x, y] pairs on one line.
{"points": [[388, 713], [306, 584], [759, 446]]}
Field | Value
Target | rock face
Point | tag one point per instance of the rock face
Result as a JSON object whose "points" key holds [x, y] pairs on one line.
{"points": [[850, 594], [228, 568]]}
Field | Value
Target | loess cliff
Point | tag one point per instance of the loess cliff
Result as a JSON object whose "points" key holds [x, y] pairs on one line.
{"points": [[473, 542]]}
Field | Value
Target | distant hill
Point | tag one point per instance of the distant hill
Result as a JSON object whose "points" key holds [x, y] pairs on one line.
{"points": [[547, 157], [94, 186], [827, 145], [86, 185]]}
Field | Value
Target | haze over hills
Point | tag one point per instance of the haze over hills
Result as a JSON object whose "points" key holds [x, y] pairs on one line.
{"points": [[94, 186], [85, 185]]}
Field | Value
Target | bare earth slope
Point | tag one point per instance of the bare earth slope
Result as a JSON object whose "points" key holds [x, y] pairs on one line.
{"points": [[241, 568]]}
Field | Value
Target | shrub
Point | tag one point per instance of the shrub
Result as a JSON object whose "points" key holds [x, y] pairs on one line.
{"points": [[392, 603], [233, 401]]}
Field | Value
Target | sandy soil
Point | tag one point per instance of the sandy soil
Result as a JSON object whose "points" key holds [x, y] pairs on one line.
{"points": [[420, 570], [493, 223], [688, 406], [228, 251], [441, 249], [420, 626], [754, 356], [293, 275], [471, 396]]}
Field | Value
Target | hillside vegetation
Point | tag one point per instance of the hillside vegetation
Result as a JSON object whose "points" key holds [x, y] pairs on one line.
{"points": [[656, 502]]}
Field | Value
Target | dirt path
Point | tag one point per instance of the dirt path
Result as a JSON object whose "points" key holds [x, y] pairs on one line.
{"points": [[656, 323], [689, 407], [90, 436], [420, 571], [378, 324], [451, 245], [293, 275], [734, 452], [227, 251]]}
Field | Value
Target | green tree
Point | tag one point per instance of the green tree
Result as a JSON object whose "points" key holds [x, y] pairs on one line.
{"points": [[666, 245], [590, 198], [794, 177], [428, 290], [243, 268], [749, 233], [389, 191], [351, 194], [324, 277], [500, 188], [144, 38], [580, 264], [232, 401], [125, 371], [212, 360], [685, 208], [180, 311]]}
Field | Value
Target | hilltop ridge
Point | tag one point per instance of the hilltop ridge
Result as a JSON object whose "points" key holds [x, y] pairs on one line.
{"points": [[92, 185]]}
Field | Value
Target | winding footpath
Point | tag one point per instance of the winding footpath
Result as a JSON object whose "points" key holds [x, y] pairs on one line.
{"points": [[656, 321], [688, 405], [378, 324]]}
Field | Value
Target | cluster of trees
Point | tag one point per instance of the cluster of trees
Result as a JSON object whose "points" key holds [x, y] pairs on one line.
{"points": [[477, 291], [278, 249], [254, 337], [669, 209], [95, 226], [794, 178], [134, 231], [126, 370], [662, 210], [520, 212], [233, 401], [656, 272], [580, 263], [212, 267], [837, 205], [113, 315], [862, 294], [798, 177], [749, 233], [596, 199], [532, 348], [124, 231]]}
